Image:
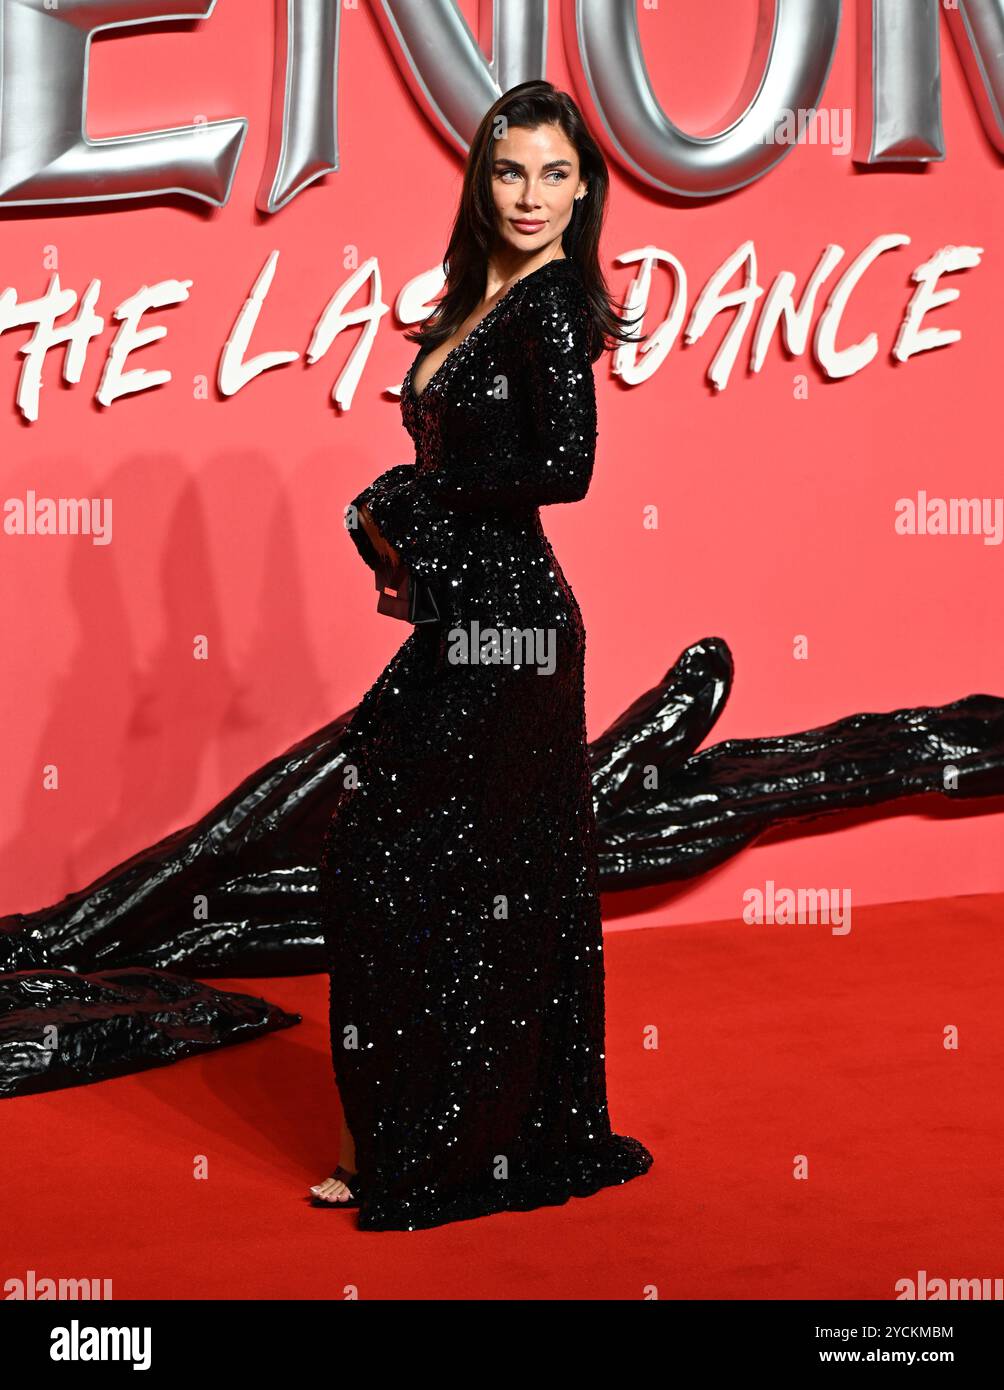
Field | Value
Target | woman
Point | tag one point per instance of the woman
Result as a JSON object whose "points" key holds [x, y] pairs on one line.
{"points": [[459, 874]]}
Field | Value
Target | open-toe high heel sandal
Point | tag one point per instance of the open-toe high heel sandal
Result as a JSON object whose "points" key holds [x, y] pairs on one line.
{"points": [[351, 1181]]}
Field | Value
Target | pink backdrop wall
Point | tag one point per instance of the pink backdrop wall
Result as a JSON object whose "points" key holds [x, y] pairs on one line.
{"points": [[776, 510]]}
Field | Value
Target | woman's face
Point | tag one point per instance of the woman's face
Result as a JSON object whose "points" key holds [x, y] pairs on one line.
{"points": [[535, 179]]}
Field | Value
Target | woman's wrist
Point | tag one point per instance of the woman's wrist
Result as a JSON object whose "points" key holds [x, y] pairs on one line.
{"points": [[383, 547]]}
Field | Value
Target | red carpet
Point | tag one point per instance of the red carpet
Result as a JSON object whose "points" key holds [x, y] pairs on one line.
{"points": [[774, 1042]]}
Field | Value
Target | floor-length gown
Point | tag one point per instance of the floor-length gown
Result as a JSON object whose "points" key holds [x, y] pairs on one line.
{"points": [[459, 874]]}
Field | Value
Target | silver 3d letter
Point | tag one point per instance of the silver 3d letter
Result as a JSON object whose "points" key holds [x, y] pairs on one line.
{"points": [[45, 154]]}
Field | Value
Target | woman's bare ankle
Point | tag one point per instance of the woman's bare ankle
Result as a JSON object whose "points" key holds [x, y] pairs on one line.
{"points": [[347, 1150]]}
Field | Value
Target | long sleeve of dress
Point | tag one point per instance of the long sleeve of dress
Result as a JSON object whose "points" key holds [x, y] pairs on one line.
{"points": [[420, 528], [394, 477], [542, 451], [549, 457]]}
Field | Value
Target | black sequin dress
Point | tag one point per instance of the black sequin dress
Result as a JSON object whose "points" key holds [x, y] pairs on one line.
{"points": [[459, 873]]}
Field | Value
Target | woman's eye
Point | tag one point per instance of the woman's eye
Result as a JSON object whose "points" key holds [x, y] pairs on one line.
{"points": [[556, 174]]}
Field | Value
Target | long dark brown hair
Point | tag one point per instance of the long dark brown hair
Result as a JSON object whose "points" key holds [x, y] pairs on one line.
{"points": [[474, 233]]}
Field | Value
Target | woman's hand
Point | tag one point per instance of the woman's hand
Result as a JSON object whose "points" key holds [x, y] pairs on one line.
{"points": [[382, 547]]}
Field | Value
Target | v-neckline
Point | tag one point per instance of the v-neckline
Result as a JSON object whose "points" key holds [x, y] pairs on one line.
{"points": [[420, 396]]}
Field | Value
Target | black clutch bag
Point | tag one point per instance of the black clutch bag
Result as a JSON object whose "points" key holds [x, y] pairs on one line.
{"points": [[405, 597]]}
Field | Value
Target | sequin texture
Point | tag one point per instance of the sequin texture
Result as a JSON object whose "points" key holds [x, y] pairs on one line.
{"points": [[459, 875]]}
